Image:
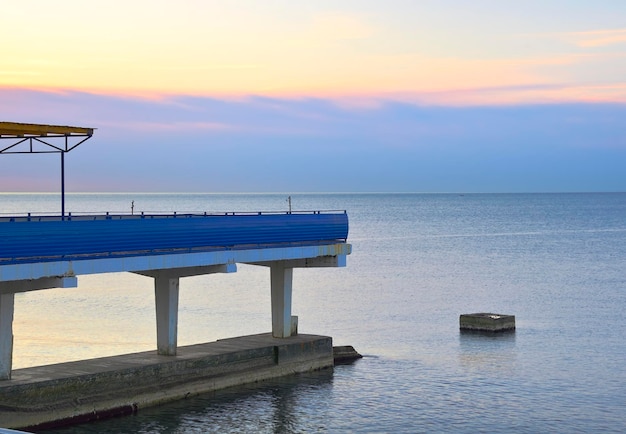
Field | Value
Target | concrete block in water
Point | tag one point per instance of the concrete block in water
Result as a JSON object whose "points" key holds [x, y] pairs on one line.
{"points": [[489, 322], [345, 354]]}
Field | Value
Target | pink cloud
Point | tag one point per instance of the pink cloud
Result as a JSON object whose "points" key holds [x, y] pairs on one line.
{"points": [[599, 38]]}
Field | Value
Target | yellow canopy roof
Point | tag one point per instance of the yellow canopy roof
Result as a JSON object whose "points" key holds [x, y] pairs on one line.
{"points": [[16, 129]]}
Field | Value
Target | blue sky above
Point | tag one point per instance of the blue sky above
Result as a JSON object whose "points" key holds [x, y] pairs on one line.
{"points": [[256, 144]]}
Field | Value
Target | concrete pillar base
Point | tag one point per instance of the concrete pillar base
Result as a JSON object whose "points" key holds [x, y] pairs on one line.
{"points": [[6, 335], [166, 300], [281, 280]]}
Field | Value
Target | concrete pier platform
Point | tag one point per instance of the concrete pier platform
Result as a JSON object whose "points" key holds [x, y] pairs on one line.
{"points": [[87, 390]]}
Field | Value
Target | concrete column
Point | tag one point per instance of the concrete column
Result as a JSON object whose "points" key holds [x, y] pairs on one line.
{"points": [[281, 280], [166, 298], [6, 335]]}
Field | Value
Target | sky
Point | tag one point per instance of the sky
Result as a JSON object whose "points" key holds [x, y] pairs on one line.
{"points": [[346, 96]]}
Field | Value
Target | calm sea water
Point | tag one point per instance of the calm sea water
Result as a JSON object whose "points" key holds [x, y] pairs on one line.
{"points": [[555, 261]]}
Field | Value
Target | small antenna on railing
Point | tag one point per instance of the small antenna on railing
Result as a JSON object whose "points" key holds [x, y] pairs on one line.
{"points": [[289, 200]]}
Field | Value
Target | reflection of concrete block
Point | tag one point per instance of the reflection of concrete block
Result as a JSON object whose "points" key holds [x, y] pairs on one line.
{"points": [[489, 322]]}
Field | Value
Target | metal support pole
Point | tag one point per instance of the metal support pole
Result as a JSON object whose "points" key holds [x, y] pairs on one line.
{"points": [[62, 185]]}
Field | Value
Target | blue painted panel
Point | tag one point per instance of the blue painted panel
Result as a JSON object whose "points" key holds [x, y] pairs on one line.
{"points": [[23, 241]]}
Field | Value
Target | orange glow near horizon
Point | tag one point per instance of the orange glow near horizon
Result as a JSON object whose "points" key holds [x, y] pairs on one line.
{"points": [[225, 51]]}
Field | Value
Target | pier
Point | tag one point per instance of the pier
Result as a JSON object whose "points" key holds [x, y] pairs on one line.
{"points": [[44, 252], [47, 252]]}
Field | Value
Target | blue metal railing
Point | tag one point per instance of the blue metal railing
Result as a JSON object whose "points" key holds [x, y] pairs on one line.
{"points": [[118, 215], [30, 238]]}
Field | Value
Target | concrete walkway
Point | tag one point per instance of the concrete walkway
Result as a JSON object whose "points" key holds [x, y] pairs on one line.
{"points": [[91, 389]]}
